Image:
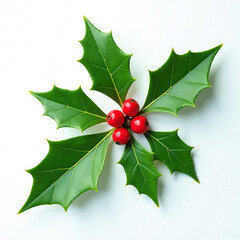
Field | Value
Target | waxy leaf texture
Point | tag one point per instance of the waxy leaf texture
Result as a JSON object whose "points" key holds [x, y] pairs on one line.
{"points": [[106, 63], [172, 151], [70, 108], [70, 168], [73, 166], [140, 170], [178, 82]]}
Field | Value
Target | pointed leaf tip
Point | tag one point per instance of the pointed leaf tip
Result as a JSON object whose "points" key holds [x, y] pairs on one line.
{"points": [[140, 169], [71, 167], [70, 108], [103, 59], [86, 19], [34, 94], [220, 45], [172, 151], [179, 81]]}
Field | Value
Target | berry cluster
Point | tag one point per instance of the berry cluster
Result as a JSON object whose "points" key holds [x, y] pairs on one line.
{"points": [[138, 124]]}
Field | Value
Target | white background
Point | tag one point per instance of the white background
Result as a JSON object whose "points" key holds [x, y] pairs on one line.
{"points": [[39, 47]]}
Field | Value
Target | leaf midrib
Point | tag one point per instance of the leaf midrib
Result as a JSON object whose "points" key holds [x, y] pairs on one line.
{"points": [[135, 154], [69, 169], [168, 149], [176, 83], [107, 68], [73, 108]]}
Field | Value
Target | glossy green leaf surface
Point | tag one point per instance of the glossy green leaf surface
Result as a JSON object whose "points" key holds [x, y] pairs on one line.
{"points": [[70, 108], [70, 168], [140, 170], [73, 166], [106, 63], [178, 82], [172, 151]]}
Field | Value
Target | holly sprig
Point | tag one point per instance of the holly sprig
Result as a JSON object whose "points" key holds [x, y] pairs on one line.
{"points": [[73, 166]]}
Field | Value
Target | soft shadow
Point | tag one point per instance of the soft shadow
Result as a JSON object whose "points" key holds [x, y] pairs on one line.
{"points": [[103, 183], [177, 174], [160, 166], [206, 95], [160, 191]]}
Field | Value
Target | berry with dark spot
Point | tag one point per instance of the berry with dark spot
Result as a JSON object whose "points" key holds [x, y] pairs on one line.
{"points": [[121, 136], [115, 118], [130, 107], [139, 124]]}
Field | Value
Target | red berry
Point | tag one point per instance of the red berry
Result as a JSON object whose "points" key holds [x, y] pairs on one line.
{"points": [[121, 136], [139, 124], [115, 118], [130, 107]]}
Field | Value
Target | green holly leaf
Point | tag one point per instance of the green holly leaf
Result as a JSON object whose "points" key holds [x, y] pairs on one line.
{"points": [[70, 108], [73, 166], [172, 151], [106, 63], [70, 168], [178, 82], [140, 170]]}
